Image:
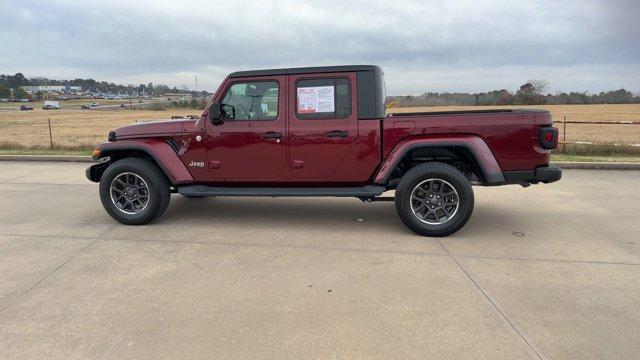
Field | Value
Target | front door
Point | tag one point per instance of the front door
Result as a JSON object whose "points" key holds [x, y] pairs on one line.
{"points": [[251, 143], [323, 123]]}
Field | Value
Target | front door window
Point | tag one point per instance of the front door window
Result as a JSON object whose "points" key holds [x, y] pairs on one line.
{"points": [[251, 101]]}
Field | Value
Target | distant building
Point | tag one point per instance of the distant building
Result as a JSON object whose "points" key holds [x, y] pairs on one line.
{"points": [[32, 89]]}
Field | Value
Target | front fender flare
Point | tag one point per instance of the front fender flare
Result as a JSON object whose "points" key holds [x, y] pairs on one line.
{"points": [[160, 151], [477, 146]]}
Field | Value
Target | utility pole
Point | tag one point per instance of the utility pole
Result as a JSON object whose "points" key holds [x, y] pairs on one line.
{"points": [[196, 83]]}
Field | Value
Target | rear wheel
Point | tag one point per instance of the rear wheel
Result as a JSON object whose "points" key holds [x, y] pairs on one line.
{"points": [[434, 199], [134, 191]]}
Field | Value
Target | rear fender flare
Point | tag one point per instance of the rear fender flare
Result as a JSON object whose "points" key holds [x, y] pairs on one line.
{"points": [[159, 151], [477, 147]]}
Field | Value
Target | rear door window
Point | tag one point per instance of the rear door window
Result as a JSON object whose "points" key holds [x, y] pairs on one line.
{"points": [[328, 98]]}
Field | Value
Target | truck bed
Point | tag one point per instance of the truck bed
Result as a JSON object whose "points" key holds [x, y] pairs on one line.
{"points": [[464, 112], [505, 131]]}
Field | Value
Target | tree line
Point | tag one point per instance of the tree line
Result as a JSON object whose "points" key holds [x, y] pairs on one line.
{"points": [[530, 93], [11, 84]]}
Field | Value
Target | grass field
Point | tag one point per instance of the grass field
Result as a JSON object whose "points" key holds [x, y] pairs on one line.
{"points": [[71, 129], [82, 129]]}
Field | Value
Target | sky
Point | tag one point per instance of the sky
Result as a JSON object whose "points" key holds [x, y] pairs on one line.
{"points": [[440, 46]]}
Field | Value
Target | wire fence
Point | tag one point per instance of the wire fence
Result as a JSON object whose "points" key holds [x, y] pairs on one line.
{"points": [[575, 135], [49, 135], [594, 136]]}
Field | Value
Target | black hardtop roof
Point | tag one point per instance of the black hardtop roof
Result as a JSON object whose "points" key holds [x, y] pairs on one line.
{"points": [[305, 70]]}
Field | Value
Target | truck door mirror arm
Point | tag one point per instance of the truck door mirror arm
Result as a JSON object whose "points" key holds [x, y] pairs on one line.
{"points": [[214, 114]]}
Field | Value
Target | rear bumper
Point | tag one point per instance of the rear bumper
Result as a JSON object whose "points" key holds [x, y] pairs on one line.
{"points": [[548, 174], [545, 174]]}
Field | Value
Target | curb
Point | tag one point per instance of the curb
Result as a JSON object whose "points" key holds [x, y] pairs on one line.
{"points": [[592, 165], [561, 164], [55, 158]]}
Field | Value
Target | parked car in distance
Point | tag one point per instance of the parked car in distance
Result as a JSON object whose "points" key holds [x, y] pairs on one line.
{"points": [[51, 105], [140, 101], [24, 107], [95, 104], [323, 131]]}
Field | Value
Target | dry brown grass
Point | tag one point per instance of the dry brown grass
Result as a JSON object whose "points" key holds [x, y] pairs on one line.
{"points": [[78, 129], [629, 134], [71, 129]]}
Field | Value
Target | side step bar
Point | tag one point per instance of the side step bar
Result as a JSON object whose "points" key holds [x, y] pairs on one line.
{"points": [[203, 190]]}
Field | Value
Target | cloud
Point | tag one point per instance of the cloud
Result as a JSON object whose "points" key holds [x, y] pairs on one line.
{"points": [[454, 45]]}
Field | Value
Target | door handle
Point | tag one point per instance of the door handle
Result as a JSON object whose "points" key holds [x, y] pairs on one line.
{"points": [[271, 135], [336, 133]]}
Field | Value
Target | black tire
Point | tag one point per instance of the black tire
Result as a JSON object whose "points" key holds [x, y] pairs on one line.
{"points": [[419, 175], [158, 185]]}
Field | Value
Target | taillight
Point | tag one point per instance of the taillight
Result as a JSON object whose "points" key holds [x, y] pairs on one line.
{"points": [[548, 137]]}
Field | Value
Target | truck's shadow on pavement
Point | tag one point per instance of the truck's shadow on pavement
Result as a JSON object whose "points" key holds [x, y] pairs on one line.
{"points": [[303, 214], [292, 211]]}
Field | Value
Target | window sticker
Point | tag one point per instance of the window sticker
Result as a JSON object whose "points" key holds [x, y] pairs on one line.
{"points": [[316, 99]]}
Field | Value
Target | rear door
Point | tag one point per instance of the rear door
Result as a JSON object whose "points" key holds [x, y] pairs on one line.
{"points": [[323, 123]]}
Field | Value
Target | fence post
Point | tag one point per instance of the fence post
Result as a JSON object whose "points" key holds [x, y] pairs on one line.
{"points": [[564, 135], [50, 135]]}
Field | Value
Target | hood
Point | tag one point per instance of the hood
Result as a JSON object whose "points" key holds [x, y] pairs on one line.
{"points": [[155, 128]]}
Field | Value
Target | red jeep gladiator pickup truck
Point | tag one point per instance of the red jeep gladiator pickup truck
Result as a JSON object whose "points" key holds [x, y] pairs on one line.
{"points": [[323, 131]]}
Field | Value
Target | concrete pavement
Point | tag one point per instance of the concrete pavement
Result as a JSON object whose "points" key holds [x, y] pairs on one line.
{"points": [[551, 271]]}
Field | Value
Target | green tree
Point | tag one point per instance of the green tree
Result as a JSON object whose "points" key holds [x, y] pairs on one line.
{"points": [[38, 96], [19, 93], [4, 92]]}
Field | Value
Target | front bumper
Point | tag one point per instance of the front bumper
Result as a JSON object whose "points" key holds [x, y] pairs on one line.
{"points": [[94, 172], [544, 174]]}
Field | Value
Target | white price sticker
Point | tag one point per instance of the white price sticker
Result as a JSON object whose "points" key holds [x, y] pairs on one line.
{"points": [[316, 99]]}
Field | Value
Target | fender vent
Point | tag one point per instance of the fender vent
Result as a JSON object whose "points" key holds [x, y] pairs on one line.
{"points": [[174, 145]]}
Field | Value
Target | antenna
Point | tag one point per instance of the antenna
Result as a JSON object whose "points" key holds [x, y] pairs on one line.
{"points": [[196, 83]]}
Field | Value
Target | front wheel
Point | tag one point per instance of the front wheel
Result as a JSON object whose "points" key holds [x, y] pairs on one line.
{"points": [[434, 199], [134, 191]]}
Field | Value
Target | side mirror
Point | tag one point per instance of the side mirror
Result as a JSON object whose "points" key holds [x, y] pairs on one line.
{"points": [[214, 114]]}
